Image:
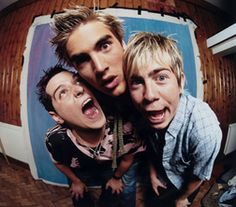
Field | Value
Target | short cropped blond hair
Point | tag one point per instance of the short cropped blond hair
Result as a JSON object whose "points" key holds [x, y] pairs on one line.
{"points": [[64, 24], [161, 48]]}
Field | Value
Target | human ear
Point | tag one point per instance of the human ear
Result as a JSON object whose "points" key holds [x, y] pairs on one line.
{"points": [[182, 83], [56, 117], [124, 45]]}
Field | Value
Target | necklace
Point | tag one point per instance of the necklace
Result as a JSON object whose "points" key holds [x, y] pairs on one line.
{"points": [[95, 151]]}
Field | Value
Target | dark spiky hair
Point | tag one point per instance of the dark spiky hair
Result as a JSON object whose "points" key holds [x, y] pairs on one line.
{"points": [[43, 97]]}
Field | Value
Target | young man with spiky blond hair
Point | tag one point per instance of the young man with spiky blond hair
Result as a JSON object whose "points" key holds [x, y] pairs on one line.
{"points": [[92, 43]]}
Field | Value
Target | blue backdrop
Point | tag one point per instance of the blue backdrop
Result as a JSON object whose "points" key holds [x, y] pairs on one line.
{"points": [[42, 56]]}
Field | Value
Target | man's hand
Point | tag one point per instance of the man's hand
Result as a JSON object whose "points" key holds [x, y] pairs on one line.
{"points": [[77, 189], [190, 187], [116, 185], [182, 203], [156, 183]]}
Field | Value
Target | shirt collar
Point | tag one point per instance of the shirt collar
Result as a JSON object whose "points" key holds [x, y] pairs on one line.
{"points": [[177, 122]]}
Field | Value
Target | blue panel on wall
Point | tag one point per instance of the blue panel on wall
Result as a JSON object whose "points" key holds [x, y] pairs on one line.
{"points": [[41, 57]]}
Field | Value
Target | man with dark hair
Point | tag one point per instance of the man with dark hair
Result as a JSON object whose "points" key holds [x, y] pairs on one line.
{"points": [[83, 145]]}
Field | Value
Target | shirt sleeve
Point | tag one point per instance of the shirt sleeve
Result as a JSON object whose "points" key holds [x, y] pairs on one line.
{"points": [[206, 141], [132, 143], [54, 142]]}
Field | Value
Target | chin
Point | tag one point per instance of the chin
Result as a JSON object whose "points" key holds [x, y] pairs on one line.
{"points": [[98, 124], [119, 90], [158, 125]]}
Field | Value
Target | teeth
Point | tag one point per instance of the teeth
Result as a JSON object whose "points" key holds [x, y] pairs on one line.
{"points": [[87, 101]]}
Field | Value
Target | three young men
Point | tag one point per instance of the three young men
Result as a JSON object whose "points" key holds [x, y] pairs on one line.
{"points": [[179, 127]]}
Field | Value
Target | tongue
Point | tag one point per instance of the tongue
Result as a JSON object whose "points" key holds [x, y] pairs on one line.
{"points": [[91, 112], [158, 115]]}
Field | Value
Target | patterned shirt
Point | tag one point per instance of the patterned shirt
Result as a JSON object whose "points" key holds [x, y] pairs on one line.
{"points": [[64, 148], [192, 142]]}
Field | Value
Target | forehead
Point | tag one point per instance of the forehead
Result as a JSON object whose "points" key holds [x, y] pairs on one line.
{"points": [[148, 62], [86, 35], [57, 80]]}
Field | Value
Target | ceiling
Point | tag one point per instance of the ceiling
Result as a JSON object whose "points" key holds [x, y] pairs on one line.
{"points": [[228, 6], [6, 3]]}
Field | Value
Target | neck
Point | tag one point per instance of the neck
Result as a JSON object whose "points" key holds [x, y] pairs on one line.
{"points": [[161, 132], [89, 137]]}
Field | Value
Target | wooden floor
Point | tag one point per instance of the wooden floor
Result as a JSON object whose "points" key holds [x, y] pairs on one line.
{"points": [[18, 188]]}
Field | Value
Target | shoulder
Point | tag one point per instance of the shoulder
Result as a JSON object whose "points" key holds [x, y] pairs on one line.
{"points": [[201, 112], [203, 122], [56, 134]]}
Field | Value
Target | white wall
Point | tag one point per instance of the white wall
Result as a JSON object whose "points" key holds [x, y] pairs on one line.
{"points": [[17, 145], [230, 144], [13, 141]]}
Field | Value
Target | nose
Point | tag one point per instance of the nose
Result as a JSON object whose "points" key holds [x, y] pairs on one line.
{"points": [[150, 93], [99, 64], [78, 90]]}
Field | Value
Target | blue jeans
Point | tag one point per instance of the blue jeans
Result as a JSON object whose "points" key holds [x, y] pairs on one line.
{"points": [[130, 179]]}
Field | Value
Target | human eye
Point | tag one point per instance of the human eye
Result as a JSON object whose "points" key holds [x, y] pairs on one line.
{"points": [[105, 45], [62, 93], [76, 81], [162, 77], [135, 81], [80, 59]]}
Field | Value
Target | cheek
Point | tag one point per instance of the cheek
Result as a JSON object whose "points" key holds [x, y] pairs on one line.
{"points": [[86, 71], [173, 99], [170, 92], [70, 113], [62, 110], [65, 105], [88, 75], [117, 57], [136, 96]]}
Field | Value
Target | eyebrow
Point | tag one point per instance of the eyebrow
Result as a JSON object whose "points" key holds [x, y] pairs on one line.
{"points": [[54, 93], [79, 58], [82, 57], [157, 70], [75, 78], [102, 40]]}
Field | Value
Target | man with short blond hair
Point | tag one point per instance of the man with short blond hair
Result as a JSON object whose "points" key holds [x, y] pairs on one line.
{"points": [[183, 133]]}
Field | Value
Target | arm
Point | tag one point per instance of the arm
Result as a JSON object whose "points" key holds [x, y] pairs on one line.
{"points": [[156, 183], [55, 142], [77, 187], [115, 183], [189, 189]]}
